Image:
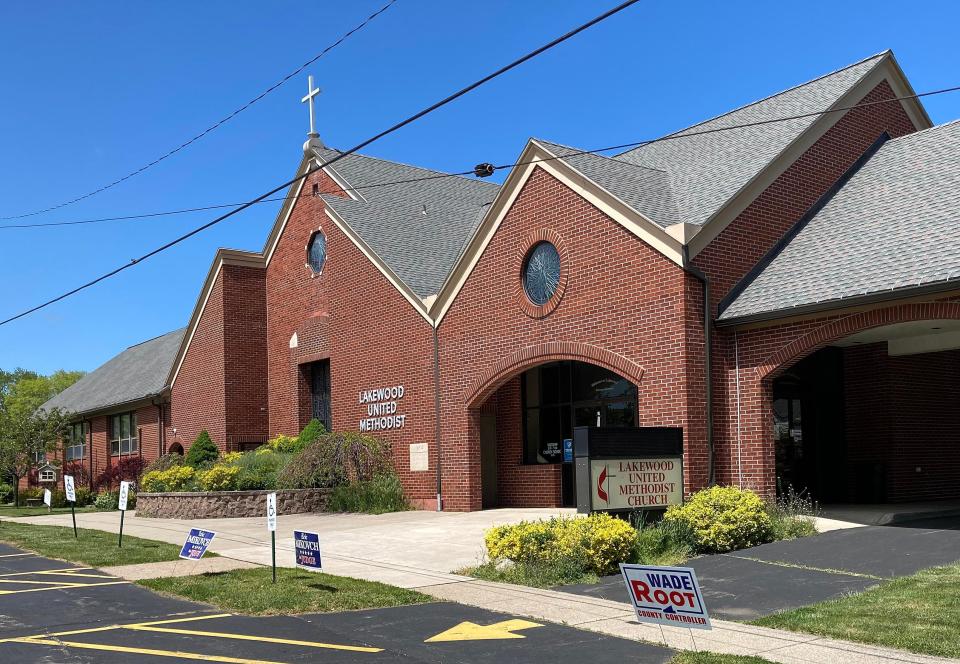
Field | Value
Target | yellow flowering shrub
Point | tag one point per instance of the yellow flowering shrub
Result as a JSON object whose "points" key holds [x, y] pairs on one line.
{"points": [[219, 478], [177, 478], [723, 518], [597, 543], [279, 443], [231, 457]]}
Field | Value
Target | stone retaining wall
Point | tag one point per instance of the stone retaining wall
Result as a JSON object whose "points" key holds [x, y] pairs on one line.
{"points": [[228, 504]]}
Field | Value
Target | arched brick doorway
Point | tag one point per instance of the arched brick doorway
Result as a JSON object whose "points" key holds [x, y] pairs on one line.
{"points": [[855, 408], [523, 408]]}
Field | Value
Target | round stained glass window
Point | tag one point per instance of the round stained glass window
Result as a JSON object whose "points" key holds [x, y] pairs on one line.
{"points": [[541, 273], [317, 252]]}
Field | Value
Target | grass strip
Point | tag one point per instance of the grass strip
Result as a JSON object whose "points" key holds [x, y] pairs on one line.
{"points": [[11, 512], [95, 548], [251, 591], [919, 613], [714, 658]]}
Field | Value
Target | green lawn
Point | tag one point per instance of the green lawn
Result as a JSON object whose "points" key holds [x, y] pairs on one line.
{"points": [[920, 613], [252, 591], [95, 548], [9, 511], [712, 658]]}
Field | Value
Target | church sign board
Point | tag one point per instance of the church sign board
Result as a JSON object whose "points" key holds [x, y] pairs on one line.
{"points": [[628, 468]]}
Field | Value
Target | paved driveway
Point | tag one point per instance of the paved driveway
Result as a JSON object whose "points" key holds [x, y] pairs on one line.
{"points": [[748, 584], [406, 549]]}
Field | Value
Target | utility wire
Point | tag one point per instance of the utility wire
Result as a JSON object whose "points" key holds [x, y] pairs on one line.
{"points": [[622, 146], [212, 127], [338, 157]]}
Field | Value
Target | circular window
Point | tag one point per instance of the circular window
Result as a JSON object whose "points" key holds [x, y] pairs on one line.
{"points": [[317, 252], [541, 273]]}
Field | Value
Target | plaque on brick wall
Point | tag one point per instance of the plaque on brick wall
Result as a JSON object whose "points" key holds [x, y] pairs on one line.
{"points": [[419, 459]]}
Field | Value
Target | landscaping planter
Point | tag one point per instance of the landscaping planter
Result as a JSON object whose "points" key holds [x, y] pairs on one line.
{"points": [[228, 504]]}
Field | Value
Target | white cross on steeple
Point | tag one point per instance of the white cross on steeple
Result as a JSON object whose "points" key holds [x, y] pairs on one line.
{"points": [[311, 93]]}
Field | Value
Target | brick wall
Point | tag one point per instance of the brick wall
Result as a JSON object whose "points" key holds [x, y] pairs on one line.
{"points": [[901, 415], [352, 315], [245, 355], [624, 306], [746, 451]]}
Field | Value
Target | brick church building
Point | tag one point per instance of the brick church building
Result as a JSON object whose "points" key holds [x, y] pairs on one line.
{"points": [[787, 293]]}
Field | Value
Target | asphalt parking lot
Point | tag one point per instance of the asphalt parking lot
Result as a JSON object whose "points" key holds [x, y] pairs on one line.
{"points": [[785, 575], [52, 611]]}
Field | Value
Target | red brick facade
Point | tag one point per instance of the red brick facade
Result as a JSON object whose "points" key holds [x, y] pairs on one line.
{"points": [[621, 304]]}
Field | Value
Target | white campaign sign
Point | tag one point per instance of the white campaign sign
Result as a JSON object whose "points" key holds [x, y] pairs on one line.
{"points": [[666, 595], [124, 492], [47, 497], [271, 512], [69, 488]]}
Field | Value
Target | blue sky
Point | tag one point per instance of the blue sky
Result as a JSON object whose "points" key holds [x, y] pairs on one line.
{"points": [[94, 90]]}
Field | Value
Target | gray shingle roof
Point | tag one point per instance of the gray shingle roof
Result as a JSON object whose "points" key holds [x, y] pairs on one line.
{"points": [[647, 190], [706, 171], [894, 225], [139, 372], [421, 249]]}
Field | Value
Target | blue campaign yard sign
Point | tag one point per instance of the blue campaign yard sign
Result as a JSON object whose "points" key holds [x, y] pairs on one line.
{"points": [[196, 544], [666, 595], [307, 548]]}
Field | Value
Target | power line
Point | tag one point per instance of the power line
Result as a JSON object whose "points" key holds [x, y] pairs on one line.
{"points": [[212, 127], [622, 146], [403, 123]]}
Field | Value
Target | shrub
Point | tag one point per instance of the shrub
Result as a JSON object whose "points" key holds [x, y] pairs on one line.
{"points": [[218, 478], [178, 478], [334, 459], [231, 457], [84, 496], [258, 470], [664, 543], [791, 515], [128, 469], [723, 519], [165, 462], [6, 492], [202, 452], [105, 500], [280, 443], [597, 543], [377, 496], [80, 472], [310, 433]]}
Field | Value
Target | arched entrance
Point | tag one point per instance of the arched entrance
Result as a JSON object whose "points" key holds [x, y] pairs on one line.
{"points": [[870, 416], [523, 422]]}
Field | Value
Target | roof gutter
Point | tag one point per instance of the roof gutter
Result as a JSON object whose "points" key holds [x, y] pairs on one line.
{"points": [[696, 272], [879, 297]]}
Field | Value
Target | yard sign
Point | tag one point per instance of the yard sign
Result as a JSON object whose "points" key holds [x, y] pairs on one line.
{"points": [[47, 497], [666, 595], [196, 544], [307, 547]]}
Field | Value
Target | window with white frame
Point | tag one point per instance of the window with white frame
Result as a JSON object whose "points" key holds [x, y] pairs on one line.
{"points": [[123, 434], [47, 475], [75, 441]]}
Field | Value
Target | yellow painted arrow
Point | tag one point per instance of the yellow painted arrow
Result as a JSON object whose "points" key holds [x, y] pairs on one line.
{"points": [[469, 631]]}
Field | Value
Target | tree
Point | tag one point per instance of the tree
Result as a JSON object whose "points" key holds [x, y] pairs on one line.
{"points": [[25, 436], [25, 430], [202, 451]]}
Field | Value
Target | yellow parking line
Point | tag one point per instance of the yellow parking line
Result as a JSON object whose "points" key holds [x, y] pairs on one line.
{"points": [[65, 584], [46, 571], [107, 628], [249, 637], [73, 573], [62, 587], [143, 651]]}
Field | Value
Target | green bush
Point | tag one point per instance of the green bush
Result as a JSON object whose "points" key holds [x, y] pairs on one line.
{"points": [[596, 544], [310, 433], [258, 470], [334, 459], [165, 462], [219, 478], [791, 515], [723, 519], [6, 493], [178, 478], [84, 496], [382, 494], [106, 500], [202, 452], [664, 543]]}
